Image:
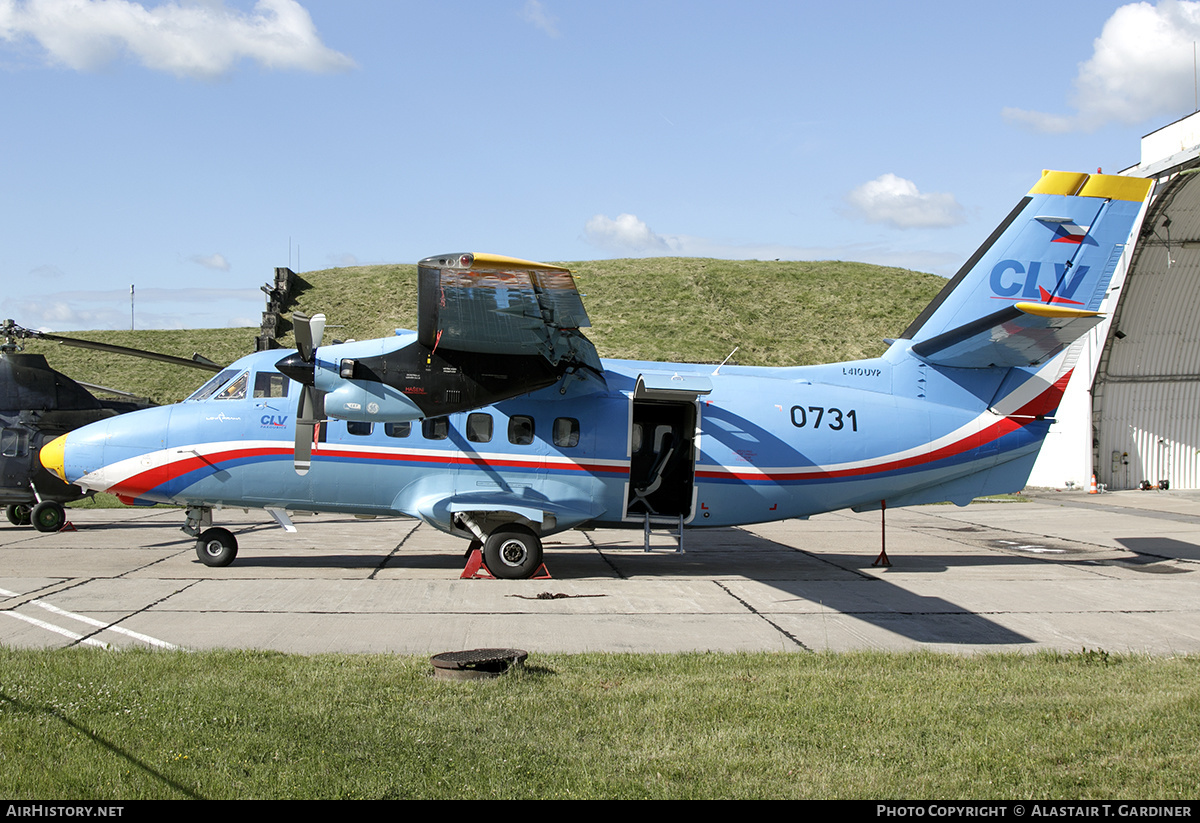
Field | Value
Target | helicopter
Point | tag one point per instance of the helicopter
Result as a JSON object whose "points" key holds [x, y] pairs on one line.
{"points": [[38, 404]]}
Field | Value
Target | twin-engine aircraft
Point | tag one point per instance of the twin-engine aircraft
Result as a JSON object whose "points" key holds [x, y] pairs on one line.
{"points": [[497, 422]]}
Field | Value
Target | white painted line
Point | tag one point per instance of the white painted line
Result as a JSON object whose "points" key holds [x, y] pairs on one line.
{"points": [[99, 624], [51, 627], [145, 638]]}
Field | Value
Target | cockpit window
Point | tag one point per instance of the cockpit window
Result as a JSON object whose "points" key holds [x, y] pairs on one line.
{"points": [[270, 384], [14, 443], [235, 390], [206, 391]]}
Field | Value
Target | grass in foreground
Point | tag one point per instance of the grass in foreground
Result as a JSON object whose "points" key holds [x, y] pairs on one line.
{"points": [[82, 724]]}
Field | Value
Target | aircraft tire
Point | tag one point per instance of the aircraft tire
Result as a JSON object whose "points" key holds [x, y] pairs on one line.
{"points": [[48, 516], [216, 547], [19, 514], [512, 552]]}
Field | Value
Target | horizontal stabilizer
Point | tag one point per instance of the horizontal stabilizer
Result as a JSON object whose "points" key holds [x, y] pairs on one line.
{"points": [[1023, 334]]}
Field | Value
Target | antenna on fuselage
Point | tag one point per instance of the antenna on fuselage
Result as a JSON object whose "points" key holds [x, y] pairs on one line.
{"points": [[726, 360]]}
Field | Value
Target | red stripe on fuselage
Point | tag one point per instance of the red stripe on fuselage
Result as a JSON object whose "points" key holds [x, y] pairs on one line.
{"points": [[138, 484], [1043, 404]]}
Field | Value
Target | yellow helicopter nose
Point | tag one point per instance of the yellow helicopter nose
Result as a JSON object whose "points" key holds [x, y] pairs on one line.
{"points": [[52, 457]]}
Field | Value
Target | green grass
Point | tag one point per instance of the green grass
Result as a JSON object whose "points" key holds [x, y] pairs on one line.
{"points": [[681, 309], [80, 724], [100, 500], [780, 313]]}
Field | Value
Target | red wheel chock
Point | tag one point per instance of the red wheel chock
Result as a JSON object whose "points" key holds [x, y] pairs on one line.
{"points": [[477, 570]]}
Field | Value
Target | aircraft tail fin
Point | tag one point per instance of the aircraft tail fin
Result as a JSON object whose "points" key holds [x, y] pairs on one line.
{"points": [[1035, 285]]}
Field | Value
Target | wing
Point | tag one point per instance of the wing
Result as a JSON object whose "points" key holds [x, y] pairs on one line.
{"points": [[502, 305]]}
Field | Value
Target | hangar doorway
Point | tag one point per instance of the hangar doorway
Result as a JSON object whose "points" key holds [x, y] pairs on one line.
{"points": [[1146, 393]]}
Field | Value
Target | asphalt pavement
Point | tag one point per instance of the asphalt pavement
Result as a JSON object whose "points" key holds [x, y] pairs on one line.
{"points": [[1067, 571]]}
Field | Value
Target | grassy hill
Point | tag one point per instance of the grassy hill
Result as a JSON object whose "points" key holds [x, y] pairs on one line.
{"points": [[671, 308], [685, 309]]}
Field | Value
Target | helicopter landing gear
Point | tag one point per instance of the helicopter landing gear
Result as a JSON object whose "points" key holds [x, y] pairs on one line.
{"points": [[48, 516], [19, 514]]}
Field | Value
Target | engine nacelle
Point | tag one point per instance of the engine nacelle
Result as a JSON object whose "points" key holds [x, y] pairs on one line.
{"points": [[368, 401]]}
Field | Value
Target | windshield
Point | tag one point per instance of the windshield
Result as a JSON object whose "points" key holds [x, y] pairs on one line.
{"points": [[211, 386]]}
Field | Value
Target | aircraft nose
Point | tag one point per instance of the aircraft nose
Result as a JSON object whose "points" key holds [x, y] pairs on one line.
{"points": [[52, 456]]}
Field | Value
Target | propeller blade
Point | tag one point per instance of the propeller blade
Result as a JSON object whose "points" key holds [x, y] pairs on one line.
{"points": [[302, 457], [309, 331], [310, 413], [304, 337]]}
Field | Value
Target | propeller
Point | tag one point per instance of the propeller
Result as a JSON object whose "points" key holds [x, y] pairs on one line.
{"points": [[301, 367]]}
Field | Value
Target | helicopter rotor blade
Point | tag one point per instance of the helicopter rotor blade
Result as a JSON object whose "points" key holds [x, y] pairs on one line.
{"points": [[196, 361]]}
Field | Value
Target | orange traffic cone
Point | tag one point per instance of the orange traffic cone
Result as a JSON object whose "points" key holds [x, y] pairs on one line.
{"points": [[1092, 488]]}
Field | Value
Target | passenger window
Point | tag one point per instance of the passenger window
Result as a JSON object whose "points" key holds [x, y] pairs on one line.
{"points": [[270, 384], [359, 427], [566, 432], [397, 429], [479, 427], [435, 428], [236, 389], [520, 430]]}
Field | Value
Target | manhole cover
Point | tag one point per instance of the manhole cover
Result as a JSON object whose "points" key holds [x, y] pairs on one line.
{"points": [[476, 663]]}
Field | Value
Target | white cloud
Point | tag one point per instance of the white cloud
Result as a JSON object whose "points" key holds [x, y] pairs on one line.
{"points": [[1141, 67], [47, 272], [156, 308], [534, 12], [897, 202], [625, 234], [628, 235], [187, 39], [55, 315], [211, 261]]}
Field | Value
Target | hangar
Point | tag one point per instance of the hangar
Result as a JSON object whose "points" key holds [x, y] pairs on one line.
{"points": [[1131, 414]]}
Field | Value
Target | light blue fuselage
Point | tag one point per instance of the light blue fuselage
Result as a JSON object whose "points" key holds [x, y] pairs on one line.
{"points": [[763, 444]]}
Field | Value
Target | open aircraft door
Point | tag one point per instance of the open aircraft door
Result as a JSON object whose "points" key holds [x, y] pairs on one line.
{"points": [[664, 432]]}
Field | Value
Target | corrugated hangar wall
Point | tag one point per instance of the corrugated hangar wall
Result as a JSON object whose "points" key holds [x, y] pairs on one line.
{"points": [[1146, 395], [1132, 410]]}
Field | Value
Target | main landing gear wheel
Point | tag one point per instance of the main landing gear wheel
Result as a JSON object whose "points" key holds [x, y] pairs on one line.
{"points": [[48, 516], [19, 514], [216, 547], [512, 553]]}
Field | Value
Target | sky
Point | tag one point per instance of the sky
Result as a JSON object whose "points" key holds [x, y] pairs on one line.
{"points": [[188, 148]]}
